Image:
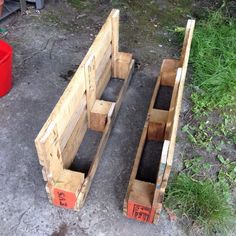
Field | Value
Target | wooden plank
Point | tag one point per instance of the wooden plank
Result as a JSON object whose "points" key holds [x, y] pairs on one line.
{"points": [[100, 44], [137, 161], [171, 112], [74, 141], [187, 36], [90, 85], [161, 171], [104, 79], [78, 114], [55, 163], [101, 67], [154, 95], [115, 15]]}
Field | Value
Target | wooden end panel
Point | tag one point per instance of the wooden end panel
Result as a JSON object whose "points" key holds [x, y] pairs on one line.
{"points": [[123, 65], [140, 201], [99, 115], [168, 72], [157, 124]]}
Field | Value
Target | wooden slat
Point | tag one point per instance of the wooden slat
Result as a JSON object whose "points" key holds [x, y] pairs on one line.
{"points": [[74, 141], [100, 44], [78, 114], [161, 171], [171, 112], [115, 15], [102, 66], [103, 80]]}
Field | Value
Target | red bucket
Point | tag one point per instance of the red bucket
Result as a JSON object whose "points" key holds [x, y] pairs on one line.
{"points": [[5, 68]]}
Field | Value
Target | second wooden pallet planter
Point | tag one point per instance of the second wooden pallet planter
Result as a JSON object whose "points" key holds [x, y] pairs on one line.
{"points": [[80, 108], [143, 200]]}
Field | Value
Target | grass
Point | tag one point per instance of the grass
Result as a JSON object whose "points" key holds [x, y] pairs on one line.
{"points": [[214, 62], [79, 4], [203, 190], [214, 81], [204, 202]]}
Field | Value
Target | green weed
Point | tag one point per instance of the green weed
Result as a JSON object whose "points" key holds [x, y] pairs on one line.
{"points": [[204, 202], [200, 134], [196, 166], [80, 4], [227, 173]]}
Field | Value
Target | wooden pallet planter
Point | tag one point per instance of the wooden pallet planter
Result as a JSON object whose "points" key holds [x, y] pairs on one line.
{"points": [[80, 109], [143, 200]]}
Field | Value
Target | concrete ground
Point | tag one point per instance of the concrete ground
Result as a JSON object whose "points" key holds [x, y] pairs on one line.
{"points": [[47, 47]]}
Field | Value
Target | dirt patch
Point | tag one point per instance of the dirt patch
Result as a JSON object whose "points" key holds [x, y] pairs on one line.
{"points": [[62, 230]]}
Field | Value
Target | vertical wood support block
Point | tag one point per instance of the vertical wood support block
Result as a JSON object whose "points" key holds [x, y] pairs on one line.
{"points": [[168, 71], [140, 201], [89, 70], [115, 16], [123, 65], [66, 189], [157, 123], [99, 115]]}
